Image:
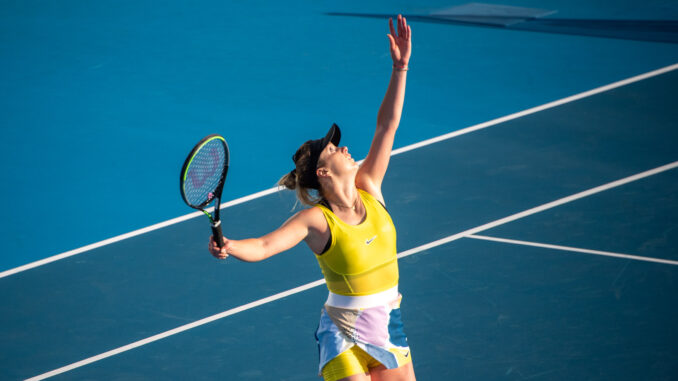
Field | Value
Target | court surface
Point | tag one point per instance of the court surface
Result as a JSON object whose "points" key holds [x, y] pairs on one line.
{"points": [[543, 245]]}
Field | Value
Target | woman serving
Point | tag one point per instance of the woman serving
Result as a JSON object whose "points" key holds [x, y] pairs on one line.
{"points": [[348, 228]]}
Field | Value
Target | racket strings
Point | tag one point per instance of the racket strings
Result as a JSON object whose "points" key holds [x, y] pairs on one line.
{"points": [[203, 174]]}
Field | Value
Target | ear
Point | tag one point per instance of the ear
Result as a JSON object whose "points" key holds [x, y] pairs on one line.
{"points": [[322, 172]]}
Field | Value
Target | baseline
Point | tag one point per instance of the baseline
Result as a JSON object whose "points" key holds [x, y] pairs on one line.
{"points": [[397, 151], [316, 283]]}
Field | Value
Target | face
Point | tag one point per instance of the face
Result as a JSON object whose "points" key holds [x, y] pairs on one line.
{"points": [[336, 160]]}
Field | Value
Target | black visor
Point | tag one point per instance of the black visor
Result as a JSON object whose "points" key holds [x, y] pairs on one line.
{"points": [[310, 180]]}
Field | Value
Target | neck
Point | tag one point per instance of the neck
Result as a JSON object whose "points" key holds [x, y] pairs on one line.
{"points": [[343, 197]]}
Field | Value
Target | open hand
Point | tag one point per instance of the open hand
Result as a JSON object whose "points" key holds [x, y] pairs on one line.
{"points": [[401, 44]]}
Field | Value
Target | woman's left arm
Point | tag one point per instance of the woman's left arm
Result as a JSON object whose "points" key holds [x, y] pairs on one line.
{"points": [[373, 169]]}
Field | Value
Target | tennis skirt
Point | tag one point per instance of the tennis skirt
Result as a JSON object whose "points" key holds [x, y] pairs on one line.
{"points": [[371, 322]]}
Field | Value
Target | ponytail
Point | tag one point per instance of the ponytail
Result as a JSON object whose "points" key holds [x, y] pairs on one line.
{"points": [[305, 195], [289, 181], [293, 181]]}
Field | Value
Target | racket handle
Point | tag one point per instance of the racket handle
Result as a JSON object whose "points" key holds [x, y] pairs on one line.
{"points": [[217, 234]]}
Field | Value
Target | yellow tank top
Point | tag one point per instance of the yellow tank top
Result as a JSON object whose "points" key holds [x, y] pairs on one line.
{"points": [[361, 259]]}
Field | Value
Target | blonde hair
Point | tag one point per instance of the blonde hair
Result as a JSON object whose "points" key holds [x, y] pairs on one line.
{"points": [[303, 178]]}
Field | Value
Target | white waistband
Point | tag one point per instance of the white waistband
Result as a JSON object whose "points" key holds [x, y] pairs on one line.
{"points": [[363, 301]]}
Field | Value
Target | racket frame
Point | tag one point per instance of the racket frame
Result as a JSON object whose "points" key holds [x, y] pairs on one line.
{"points": [[215, 220]]}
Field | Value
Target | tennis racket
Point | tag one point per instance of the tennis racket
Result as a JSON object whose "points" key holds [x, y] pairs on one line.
{"points": [[202, 179]]}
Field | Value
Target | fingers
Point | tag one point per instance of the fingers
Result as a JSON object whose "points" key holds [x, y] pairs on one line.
{"points": [[404, 30], [401, 26], [392, 41], [219, 253]]}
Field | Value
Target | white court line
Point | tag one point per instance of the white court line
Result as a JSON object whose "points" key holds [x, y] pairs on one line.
{"points": [[536, 109], [543, 207], [575, 249], [183, 328], [316, 283], [410, 147], [131, 234]]}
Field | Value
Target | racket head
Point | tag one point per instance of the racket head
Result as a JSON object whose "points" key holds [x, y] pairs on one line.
{"points": [[204, 172]]}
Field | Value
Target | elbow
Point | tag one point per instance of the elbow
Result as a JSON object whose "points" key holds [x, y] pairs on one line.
{"points": [[263, 251], [384, 128], [257, 256], [388, 120]]}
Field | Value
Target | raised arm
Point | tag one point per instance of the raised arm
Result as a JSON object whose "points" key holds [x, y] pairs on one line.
{"points": [[373, 169]]}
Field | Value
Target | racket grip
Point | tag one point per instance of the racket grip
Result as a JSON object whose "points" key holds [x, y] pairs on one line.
{"points": [[217, 234]]}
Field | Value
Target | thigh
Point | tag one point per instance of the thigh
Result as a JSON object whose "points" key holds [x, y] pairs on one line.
{"points": [[403, 373], [350, 365]]}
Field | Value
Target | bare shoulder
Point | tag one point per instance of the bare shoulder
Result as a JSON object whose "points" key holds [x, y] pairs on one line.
{"points": [[318, 229], [313, 218]]}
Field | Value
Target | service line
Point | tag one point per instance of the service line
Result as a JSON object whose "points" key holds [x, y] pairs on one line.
{"points": [[468, 233], [410, 147], [574, 249]]}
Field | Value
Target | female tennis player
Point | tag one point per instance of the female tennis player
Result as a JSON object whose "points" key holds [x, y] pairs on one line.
{"points": [[360, 335]]}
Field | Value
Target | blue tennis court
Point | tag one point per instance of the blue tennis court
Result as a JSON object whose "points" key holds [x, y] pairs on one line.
{"points": [[533, 186]]}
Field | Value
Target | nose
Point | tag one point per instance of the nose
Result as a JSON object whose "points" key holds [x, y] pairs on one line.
{"points": [[344, 149]]}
